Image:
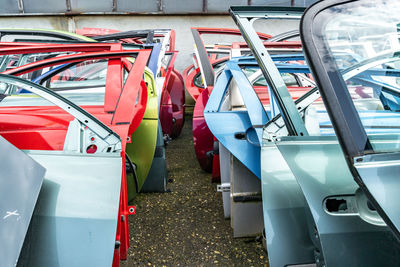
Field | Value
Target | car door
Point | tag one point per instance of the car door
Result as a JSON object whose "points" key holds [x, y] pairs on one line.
{"points": [[21, 179], [373, 157]]}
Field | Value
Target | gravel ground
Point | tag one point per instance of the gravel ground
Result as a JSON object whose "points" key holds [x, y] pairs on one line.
{"points": [[186, 227]]}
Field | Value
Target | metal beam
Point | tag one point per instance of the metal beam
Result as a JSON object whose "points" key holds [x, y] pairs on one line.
{"points": [[68, 5], [160, 5], [205, 6], [21, 6], [114, 5]]}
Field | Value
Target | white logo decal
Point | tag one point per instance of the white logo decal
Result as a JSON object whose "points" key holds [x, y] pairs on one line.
{"points": [[10, 213]]}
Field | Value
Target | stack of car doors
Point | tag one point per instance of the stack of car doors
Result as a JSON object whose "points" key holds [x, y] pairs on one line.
{"points": [[237, 156], [238, 104], [149, 131], [169, 81], [194, 74], [156, 179], [199, 80], [328, 168], [79, 127], [169, 87], [199, 83]]}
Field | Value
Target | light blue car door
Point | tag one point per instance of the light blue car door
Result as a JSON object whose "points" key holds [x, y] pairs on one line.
{"points": [[370, 143]]}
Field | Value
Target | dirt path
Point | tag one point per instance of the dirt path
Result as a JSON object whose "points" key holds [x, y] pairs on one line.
{"points": [[186, 227]]}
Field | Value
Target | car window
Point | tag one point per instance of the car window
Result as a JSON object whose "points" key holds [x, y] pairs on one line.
{"points": [[28, 116], [288, 78], [198, 80], [85, 75], [365, 48]]}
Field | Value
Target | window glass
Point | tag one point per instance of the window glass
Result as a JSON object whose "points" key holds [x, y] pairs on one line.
{"points": [[88, 75], [83, 83], [165, 61], [9, 62], [290, 79], [198, 80], [300, 85], [364, 45]]}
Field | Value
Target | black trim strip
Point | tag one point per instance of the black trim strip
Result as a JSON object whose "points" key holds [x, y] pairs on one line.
{"points": [[4, 32], [148, 34]]}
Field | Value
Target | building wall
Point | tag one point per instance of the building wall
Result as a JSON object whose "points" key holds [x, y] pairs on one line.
{"points": [[162, 7]]}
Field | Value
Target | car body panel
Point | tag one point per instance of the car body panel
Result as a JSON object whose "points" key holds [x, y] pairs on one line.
{"points": [[143, 140], [321, 171], [202, 139], [171, 91], [372, 159], [237, 108], [379, 174], [294, 186], [67, 228], [225, 170], [119, 115], [19, 196], [158, 176], [284, 208], [175, 88], [226, 124]]}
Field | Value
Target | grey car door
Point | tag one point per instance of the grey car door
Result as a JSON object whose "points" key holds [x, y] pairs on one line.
{"points": [[20, 181]]}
